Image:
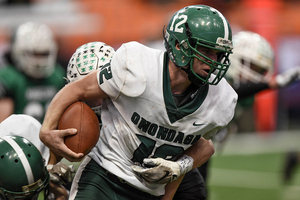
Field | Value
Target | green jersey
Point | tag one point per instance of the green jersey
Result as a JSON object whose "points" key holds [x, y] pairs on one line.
{"points": [[30, 96]]}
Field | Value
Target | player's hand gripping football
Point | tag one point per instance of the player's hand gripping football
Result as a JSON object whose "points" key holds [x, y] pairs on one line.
{"points": [[55, 140], [161, 171]]}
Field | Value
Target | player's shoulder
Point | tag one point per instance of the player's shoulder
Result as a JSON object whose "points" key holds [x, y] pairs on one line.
{"points": [[19, 124], [22, 118], [11, 76], [56, 78], [135, 48], [128, 68], [224, 98], [9, 70], [223, 88], [133, 45]]}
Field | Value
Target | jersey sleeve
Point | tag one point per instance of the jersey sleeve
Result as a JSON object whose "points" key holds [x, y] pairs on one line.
{"points": [[124, 74], [209, 135]]}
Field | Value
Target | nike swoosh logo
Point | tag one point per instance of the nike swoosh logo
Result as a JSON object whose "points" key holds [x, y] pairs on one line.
{"points": [[194, 124]]}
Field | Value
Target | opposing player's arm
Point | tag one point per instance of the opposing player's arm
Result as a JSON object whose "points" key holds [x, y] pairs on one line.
{"points": [[171, 188], [85, 89]]}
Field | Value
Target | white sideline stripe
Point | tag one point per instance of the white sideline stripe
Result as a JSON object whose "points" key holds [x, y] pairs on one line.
{"points": [[245, 179], [22, 157], [252, 143]]}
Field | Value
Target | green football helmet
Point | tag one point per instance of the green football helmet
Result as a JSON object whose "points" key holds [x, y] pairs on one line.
{"points": [[195, 26], [23, 174]]}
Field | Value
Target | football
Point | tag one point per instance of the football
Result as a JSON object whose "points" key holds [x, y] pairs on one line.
{"points": [[80, 116]]}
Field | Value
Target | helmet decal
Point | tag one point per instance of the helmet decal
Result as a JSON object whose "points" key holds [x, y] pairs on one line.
{"points": [[87, 58]]}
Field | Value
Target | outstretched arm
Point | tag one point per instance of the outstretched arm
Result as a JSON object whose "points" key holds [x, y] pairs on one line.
{"points": [[81, 90]]}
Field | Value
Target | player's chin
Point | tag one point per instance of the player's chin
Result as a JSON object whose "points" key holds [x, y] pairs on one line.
{"points": [[203, 75]]}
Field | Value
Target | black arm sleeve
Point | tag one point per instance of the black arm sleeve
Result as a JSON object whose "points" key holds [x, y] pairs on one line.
{"points": [[250, 89]]}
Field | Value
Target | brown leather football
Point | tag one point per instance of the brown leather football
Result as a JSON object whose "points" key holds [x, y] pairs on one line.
{"points": [[80, 116]]}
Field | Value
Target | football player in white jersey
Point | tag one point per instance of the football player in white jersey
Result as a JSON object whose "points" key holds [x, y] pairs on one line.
{"points": [[101, 54], [159, 110]]}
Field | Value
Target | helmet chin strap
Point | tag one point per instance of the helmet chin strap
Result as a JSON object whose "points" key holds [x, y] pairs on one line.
{"points": [[196, 81]]}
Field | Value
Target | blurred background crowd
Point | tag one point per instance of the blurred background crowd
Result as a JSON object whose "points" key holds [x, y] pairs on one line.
{"points": [[114, 22]]}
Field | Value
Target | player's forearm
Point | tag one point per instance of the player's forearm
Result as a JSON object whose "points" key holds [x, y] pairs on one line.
{"points": [[201, 151], [171, 188], [64, 98], [81, 90], [249, 89], [54, 158]]}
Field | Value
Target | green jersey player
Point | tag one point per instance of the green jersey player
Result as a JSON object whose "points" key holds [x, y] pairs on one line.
{"points": [[32, 77], [159, 110]]}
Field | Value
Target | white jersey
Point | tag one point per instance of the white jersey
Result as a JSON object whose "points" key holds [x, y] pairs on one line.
{"points": [[140, 119], [27, 127]]}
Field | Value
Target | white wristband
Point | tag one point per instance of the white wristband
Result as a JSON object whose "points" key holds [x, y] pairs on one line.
{"points": [[185, 164]]}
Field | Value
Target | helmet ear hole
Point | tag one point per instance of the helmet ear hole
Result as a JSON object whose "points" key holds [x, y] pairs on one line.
{"points": [[177, 45]]}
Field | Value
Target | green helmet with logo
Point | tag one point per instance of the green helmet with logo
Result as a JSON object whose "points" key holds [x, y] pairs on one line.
{"points": [[22, 171], [195, 26]]}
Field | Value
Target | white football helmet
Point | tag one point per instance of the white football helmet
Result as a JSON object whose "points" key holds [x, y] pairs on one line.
{"points": [[252, 58], [34, 50], [88, 58]]}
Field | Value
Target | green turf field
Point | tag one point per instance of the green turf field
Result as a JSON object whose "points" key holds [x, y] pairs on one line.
{"points": [[249, 167]]}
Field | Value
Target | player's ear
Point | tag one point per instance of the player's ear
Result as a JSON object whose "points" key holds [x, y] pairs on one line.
{"points": [[177, 45]]}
